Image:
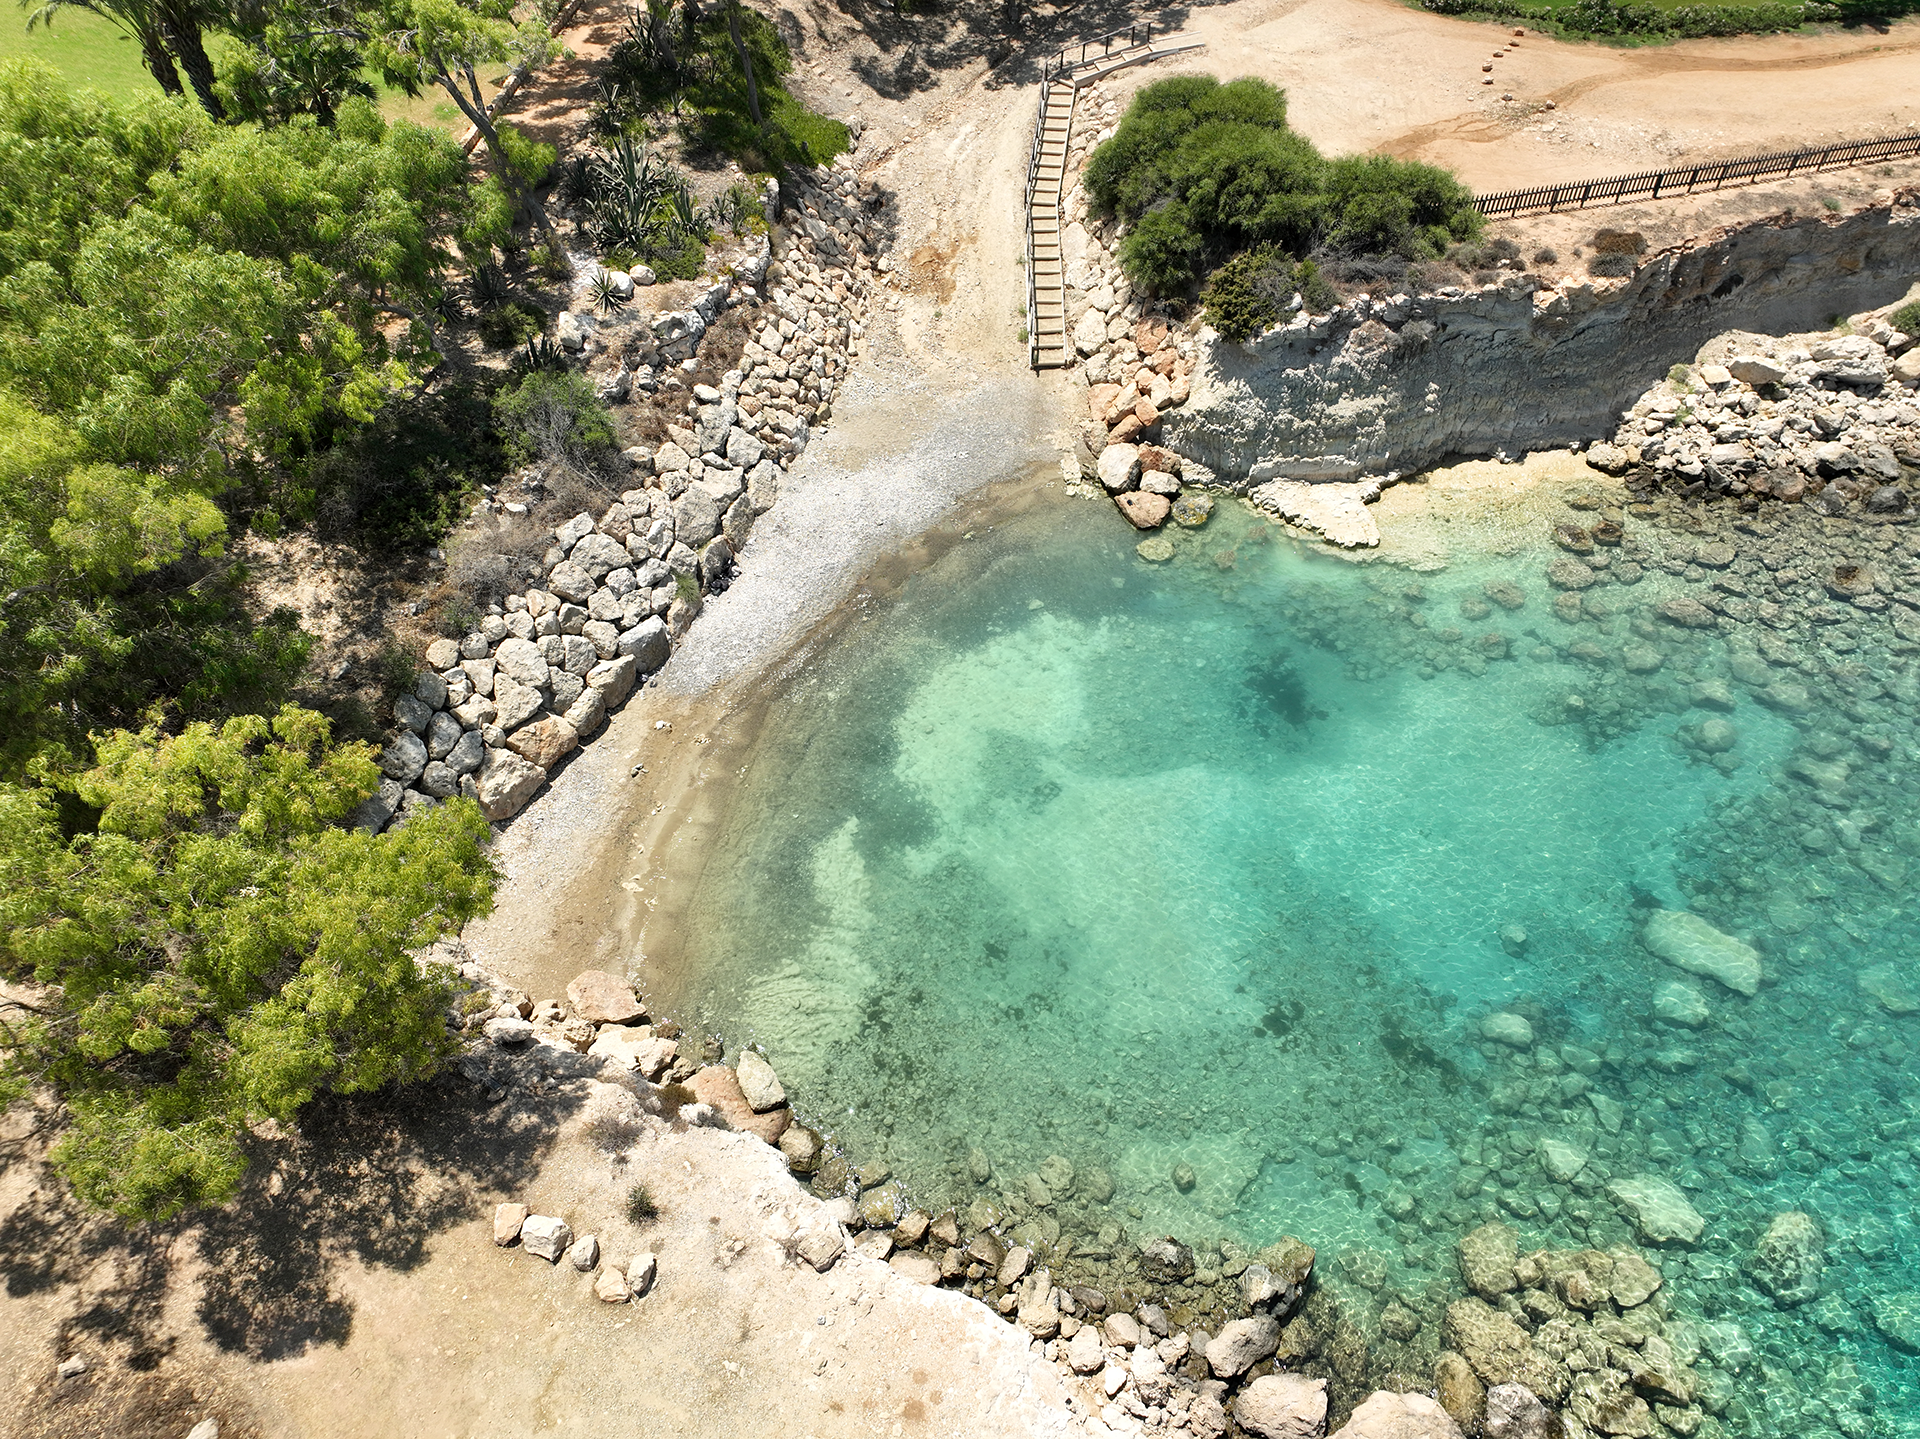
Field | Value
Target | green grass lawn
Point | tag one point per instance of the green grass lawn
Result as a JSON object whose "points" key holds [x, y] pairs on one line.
{"points": [[91, 52], [94, 53]]}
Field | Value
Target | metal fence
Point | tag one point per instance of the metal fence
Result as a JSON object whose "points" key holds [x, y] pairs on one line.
{"points": [[1684, 179]]}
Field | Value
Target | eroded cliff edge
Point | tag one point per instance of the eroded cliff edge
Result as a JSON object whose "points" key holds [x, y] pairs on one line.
{"points": [[1388, 387]]}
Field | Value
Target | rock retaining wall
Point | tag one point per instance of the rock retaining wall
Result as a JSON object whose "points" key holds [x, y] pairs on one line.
{"points": [[503, 705]]}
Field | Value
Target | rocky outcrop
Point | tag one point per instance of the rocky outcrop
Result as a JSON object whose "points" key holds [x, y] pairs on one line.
{"points": [[1390, 386]]}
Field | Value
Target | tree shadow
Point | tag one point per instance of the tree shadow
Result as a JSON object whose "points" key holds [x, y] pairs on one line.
{"points": [[1013, 37], [370, 1180]]}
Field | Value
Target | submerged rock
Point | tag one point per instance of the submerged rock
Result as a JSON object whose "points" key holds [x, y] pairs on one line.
{"points": [[1508, 1028], [1891, 986], [1487, 1256], [1399, 1416], [1790, 1258], [1687, 941], [1659, 1211]]}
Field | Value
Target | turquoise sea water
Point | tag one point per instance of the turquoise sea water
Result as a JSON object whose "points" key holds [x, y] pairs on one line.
{"points": [[1205, 874]]}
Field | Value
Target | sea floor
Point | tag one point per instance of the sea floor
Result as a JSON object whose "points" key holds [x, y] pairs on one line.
{"points": [[1202, 877]]}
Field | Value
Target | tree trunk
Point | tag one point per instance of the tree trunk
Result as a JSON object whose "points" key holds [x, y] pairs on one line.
{"points": [[182, 29], [153, 52], [746, 63], [475, 109]]}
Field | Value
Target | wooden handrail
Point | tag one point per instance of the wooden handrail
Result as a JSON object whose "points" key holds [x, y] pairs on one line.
{"points": [[1685, 179]]}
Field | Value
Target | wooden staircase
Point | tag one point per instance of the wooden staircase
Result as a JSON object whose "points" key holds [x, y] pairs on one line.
{"points": [[1048, 346]]}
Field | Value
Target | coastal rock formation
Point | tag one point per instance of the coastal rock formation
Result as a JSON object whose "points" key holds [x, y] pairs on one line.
{"points": [[1389, 386]]}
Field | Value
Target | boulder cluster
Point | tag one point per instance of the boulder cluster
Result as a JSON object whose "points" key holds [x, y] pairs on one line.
{"points": [[1830, 420], [504, 704]]}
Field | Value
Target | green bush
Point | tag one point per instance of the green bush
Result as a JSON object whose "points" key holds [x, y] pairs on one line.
{"points": [[1203, 171], [1628, 20], [554, 417], [1906, 319], [508, 326], [700, 79]]}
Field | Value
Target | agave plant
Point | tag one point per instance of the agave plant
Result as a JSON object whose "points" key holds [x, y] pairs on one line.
{"points": [[540, 354], [490, 288], [606, 296]]}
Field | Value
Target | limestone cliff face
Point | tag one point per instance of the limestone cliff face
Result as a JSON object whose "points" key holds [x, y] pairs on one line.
{"points": [[1380, 389]]}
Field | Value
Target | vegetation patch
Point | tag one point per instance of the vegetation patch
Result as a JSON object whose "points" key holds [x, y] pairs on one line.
{"points": [[719, 76], [1203, 171], [1637, 21]]}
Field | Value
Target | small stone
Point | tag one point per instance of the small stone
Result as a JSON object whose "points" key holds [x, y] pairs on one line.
{"points": [[802, 1148], [1508, 1028], [507, 1219], [1680, 1003], [1122, 1330], [641, 1271], [610, 1286], [72, 1368], [584, 1253], [205, 1429], [1184, 1178], [1561, 1161], [545, 1236]]}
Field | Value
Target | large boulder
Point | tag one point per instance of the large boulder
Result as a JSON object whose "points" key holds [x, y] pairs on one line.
{"points": [[1119, 468], [1144, 509], [545, 1236], [404, 757], [759, 1083], [514, 703], [1283, 1406], [571, 582], [544, 743], [1399, 1416], [614, 678], [1790, 1258], [602, 998], [1487, 1256], [506, 783], [1515, 1412], [1659, 1211], [597, 555], [718, 1086], [522, 660], [648, 644], [1242, 1344], [696, 514]]}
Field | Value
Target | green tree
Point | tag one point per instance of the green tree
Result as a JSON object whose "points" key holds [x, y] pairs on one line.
{"points": [[216, 950], [445, 43]]}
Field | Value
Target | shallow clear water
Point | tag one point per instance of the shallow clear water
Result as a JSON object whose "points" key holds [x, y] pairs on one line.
{"points": [[1208, 864]]}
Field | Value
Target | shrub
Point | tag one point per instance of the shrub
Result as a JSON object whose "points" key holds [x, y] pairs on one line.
{"points": [[1316, 294], [1245, 295], [1619, 242], [554, 417], [1906, 319], [1610, 265], [641, 1208], [1205, 171], [1546, 255]]}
